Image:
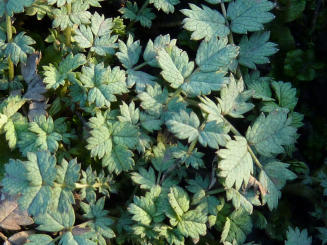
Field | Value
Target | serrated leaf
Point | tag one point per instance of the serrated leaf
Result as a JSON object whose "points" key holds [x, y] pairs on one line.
{"points": [[129, 53], [238, 225], [100, 142], [119, 159], [79, 15], [131, 11], [151, 49], [144, 178], [239, 200], [143, 209], [269, 134], [163, 158], [193, 224], [193, 158], [205, 23], [260, 85], [237, 164], [124, 133], [141, 79], [213, 134], [212, 109], [60, 2], [215, 55], [40, 9], [175, 66], [103, 83], [54, 77], [150, 123], [285, 94], [18, 49], [233, 99], [249, 15], [183, 125], [153, 99], [167, 6], [179, 200], [202, 83], [53, 221], [69, 238], [101, 26], [256, 49], [14, 6], [296, 237], [129, 113], [274, 176], [323, 234]]}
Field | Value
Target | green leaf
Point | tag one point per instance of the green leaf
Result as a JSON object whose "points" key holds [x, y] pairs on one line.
{"points": [[193, 158], [53, 221], [233, 99], [143, 210], [129, 113], [124, 133], [238, 225], [40, 9], [131, 11], [205, 23], [37, 239], [151, 49], [179, 200], [150, 123], [215, 55], [144, 178], [211, 108], [14, 6], [237, 164], [214, 134], [69, 238], [269, 134], [285, 95], [119, 159], [79, 15], [60, 2], [18, 49], [239, 200], [323, 234], [103, 83], [184, 126], [172, 236], [167, 6], [162, 157], [202, 83], [129, 53], [100, 142], [297, 237], [153, 99], [260, 85], [54, 77], [256, 49], [249, 15], [141, 79], [193, 224], [175, 66], [274, 176]]}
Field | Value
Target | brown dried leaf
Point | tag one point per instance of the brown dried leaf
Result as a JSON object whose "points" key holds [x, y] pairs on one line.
{"points": [[79, 231], [11, 217], [256, 186], [18, 238]]}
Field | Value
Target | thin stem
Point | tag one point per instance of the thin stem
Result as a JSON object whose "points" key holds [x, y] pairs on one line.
{"points": [[216, 191], [68, 31], [132, 23], [177, 92], [80, 186], [89, 55], [191, 147], [133, 194], [9, 39], [192, 102], [140, 66]]}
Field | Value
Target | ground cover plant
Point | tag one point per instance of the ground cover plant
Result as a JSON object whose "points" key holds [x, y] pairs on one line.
{"points": [[118, 137]]}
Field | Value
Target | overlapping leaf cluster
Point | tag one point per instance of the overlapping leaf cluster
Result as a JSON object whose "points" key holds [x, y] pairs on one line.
{"points": [[151, 112]]}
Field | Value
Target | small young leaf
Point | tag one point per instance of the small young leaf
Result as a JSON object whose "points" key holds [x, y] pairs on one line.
{"points": [[193, 158], [249, 15], [205, 23]]}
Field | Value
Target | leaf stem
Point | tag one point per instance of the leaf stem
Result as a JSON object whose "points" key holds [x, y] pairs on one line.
{"points": [[132, 23], [192, 145], [140, 66], [68, 31], [9, 39], [216, 191]]}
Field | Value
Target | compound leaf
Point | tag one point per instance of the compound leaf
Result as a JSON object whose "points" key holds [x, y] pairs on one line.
{"points": [[131, 11], [256, 49], [144, 178], [143, 209], [193, 158], [249, 15], [205, 23], [167, 6], [237, 164], [213, 135], [129, 53], [269, 134]]}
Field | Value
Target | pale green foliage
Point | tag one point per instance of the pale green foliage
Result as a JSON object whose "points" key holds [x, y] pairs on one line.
{"points": [[198, 174], [297, 237]]}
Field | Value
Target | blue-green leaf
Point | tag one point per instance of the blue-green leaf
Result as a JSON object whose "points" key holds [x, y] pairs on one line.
{"points": [[214, 134], [297, 237], [167, 6], [14, 6], [129, 53], [144, 178], [260, 85], [162, 157], [124, 133], [119, 159]]}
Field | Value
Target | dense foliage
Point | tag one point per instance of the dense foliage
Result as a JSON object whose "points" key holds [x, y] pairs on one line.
{"points": [[120, 136]]}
